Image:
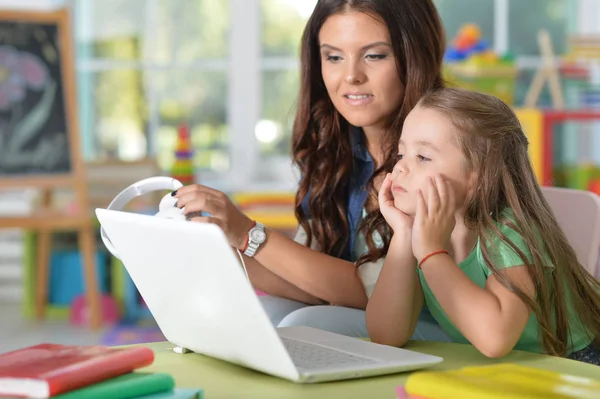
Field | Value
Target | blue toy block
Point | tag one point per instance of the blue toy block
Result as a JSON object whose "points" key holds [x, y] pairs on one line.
{"points": [[66, 276], [454, 55], [480, 46]]}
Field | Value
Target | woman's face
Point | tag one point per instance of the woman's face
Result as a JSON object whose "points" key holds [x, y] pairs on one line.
{"points": [[359, 69]]}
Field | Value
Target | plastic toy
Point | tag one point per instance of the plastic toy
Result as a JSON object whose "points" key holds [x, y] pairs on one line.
{"points": [[471, 64], [80, 312], [183, 168]]}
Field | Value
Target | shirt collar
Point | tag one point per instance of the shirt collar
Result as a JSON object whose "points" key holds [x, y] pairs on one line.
{"points": [[359, 148]]}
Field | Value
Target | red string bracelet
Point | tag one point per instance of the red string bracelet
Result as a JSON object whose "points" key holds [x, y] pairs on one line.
{"points": [[441, 251]]}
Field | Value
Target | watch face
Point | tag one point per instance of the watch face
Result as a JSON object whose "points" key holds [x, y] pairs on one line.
{"points": [[258, 236]]}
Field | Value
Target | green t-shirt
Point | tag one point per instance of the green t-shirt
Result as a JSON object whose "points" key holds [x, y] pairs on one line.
{"points": [[503, 257]]}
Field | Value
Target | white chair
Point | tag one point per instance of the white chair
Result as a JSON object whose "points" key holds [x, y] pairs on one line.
{"points": [[578, 214]]}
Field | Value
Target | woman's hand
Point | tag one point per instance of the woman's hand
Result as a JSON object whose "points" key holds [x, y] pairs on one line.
{"points": [[195, 199], [397, 219], [434, 218]]}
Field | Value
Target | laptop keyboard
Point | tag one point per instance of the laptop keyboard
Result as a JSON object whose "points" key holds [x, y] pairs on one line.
{"points": [[310, 356]]}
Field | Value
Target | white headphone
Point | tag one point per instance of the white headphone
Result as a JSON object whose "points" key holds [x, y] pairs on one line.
{"points": [[166, 209]]}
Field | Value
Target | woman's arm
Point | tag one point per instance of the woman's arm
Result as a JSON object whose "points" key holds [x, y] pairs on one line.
{"points": [[325, 277], [331, 279], [394, 307], [491, 318], [270, 283]]}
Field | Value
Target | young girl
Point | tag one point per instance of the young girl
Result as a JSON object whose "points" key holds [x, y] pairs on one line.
{"points": [[471, 225]]}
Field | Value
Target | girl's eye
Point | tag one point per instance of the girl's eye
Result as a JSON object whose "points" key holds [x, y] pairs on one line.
{"points": [[375, 57], [399, 157], [422, 158]]}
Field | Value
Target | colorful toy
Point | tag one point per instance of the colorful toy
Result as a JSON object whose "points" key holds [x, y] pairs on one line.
{"points": [[574, 176], [594, 186], [468, 43], [80, 312], [132, 334], [471, 64], [580, 177], [183, 168]]}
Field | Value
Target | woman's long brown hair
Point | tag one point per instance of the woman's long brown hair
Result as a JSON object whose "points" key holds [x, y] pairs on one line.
{"points": [[321, 136], [495, 146]]}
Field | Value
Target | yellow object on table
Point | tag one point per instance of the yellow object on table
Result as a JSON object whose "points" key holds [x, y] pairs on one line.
{"points": [[221, 380], [501, 381]]}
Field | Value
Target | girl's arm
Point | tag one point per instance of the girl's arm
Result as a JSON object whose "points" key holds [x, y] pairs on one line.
{"points": [[491, 318], [394, 307], [321, 276]]}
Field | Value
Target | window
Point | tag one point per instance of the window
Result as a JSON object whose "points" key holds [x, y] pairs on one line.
{"points": [[282, 24], [527, 18], [146, 66], [229, 69]]}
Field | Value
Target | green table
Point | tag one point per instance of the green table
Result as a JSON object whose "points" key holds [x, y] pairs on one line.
{"points": [[220, 379]]}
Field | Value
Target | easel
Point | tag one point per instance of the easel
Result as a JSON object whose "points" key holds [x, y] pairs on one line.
{"points": [[45, 220], [548, 71]]}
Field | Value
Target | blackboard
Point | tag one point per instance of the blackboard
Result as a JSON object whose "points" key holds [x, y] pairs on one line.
{"points": [[35, 119], [39, 140]]}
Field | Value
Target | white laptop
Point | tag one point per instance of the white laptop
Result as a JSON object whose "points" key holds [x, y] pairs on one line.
{"points": [[194, 286]]}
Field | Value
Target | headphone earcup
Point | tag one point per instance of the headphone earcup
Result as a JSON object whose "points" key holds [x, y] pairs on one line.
{"points": [[167, 208]]}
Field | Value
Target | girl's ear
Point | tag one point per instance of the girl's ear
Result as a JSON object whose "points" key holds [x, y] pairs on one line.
{"points": [[472, 179]]}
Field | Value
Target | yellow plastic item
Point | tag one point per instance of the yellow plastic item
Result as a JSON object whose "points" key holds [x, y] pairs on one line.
{"points": [[501, 381], [273, 209], [532, 121]]}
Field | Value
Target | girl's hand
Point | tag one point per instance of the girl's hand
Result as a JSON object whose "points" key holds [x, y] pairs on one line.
{"points": [[195, 199], [434, 219], [397, 219]]}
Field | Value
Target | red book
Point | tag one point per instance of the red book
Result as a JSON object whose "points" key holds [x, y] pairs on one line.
{"points": [[45, 370]]}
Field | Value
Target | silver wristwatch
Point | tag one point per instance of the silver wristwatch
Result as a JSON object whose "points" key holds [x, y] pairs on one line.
{"points": [[256, 236]]}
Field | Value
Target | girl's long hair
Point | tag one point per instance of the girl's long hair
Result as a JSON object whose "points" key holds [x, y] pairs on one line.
{"points": [[495, 146], [321, 136]]}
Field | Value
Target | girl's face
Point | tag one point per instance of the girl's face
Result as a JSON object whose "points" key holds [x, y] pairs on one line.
{"points": [[427, 148], [359, 69]]}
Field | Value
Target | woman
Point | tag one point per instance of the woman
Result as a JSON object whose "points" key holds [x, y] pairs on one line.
{"points": [[364, 66]]}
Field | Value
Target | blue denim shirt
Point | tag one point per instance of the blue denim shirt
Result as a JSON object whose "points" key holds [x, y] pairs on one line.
{"points": [[362, 171]]}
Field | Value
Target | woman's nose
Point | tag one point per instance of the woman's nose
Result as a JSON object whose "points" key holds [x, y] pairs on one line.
{"points": [[355, 75]]}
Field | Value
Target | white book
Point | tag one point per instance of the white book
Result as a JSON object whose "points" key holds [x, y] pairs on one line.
{"points": [[11, 234], [11, 293], [11, 272], [17, 202], [11, 249]]}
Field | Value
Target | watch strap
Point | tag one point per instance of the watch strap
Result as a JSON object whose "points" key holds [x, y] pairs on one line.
{"points": [[253, 246]]}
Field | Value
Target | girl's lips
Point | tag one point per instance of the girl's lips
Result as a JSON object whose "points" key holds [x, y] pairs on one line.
{"points": [[398, 189]]}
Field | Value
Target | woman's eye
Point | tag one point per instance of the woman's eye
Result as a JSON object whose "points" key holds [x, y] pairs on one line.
{"points": [[375, 57], [422, 158], [334, 58]]}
